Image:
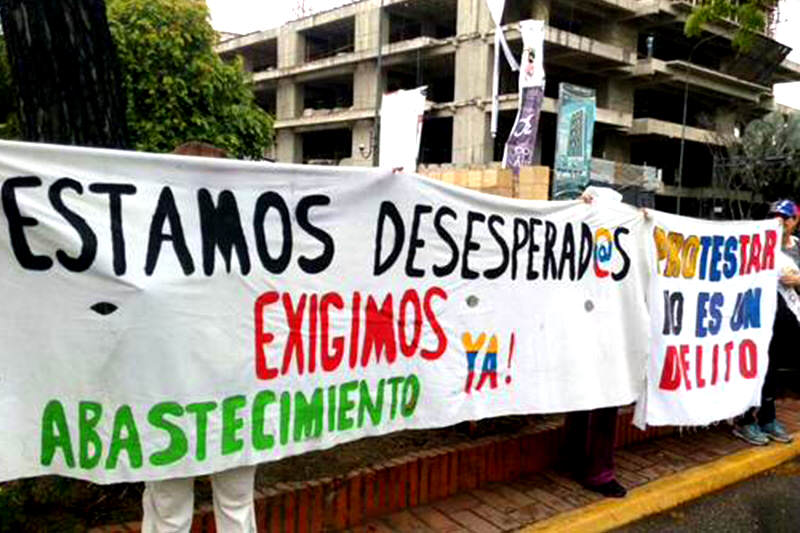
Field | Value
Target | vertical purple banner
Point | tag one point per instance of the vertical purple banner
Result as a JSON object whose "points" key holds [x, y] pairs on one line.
{"points": [[522, 139]]}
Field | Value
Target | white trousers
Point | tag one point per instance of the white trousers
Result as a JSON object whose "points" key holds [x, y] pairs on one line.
{"points": [[169, 505]]}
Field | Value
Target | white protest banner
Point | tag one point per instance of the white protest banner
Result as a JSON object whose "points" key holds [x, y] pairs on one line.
{"points": [[168, 316], [401, 128], [712, 306]]}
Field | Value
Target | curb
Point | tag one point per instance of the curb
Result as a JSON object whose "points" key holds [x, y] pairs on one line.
{"points": [[671, 491]]}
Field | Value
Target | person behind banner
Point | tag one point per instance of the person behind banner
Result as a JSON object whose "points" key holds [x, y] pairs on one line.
{"points": [[759, 425], [591, 435], [168, 505]]}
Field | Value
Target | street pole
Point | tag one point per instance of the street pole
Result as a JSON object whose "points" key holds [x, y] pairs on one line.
{"points": [[376, 125], [683, 121]]}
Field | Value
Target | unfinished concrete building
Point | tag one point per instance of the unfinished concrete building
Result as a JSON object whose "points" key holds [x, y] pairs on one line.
{"points": [[319, 76]]}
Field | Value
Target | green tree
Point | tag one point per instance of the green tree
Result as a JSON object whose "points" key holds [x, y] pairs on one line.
{"points": [[178, 88], [752, 17], [762, 161]]}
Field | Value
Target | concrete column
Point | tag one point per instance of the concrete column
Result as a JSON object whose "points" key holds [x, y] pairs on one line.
{"points": [[615, 33], [473, 16], [473, 70], [291, 48], [472, 143], [368, 26], [362, 137], [364, 80], [288, 146], [617, 147], [271, 152], [247, 62], [724, 121], [616, 94], [540, 10], [471, 123], [473, 86], [288, 99]]}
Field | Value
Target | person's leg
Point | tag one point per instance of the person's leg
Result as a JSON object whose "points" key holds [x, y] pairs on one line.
{"points": [[766, 413], [590, 437], [576, 437], [784, 335], [747, 426], [783, 339], [601, 441], [234, 508], [168, 506], [747, 418]]}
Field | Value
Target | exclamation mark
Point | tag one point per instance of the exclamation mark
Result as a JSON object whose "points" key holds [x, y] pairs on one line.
{"points": [[510, 356]]}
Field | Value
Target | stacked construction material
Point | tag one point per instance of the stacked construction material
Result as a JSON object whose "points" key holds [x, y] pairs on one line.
{"points": [[626, 175], [533, 182], [637, 184]]}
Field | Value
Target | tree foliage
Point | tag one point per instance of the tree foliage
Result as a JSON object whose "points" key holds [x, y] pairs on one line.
{"points": [[764, 160], [9, 124], [752, 17], [178, 88]]}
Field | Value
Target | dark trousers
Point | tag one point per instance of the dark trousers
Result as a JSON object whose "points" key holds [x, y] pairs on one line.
{"points": [[785, 331], [590, 437]]}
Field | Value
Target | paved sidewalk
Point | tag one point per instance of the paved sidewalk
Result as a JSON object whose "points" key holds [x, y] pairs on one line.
{"points": [[667, 472]]}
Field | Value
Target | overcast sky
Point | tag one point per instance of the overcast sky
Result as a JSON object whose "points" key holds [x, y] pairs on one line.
{"points": [[789, 33], [246, 16]]}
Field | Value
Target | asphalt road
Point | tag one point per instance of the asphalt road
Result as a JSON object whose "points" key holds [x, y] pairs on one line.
{"points": [[769, 503]]}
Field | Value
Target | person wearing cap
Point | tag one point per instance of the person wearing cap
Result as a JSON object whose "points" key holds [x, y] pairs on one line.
{"points": [[789, 214], [759, 426]]}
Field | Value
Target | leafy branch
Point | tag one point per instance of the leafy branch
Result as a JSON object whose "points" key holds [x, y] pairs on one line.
{"points": [[752, 17]]}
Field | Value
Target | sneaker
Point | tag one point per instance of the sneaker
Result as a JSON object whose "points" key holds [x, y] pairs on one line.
{"points": [[611, 489], [775, 431], [751, 433]]}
